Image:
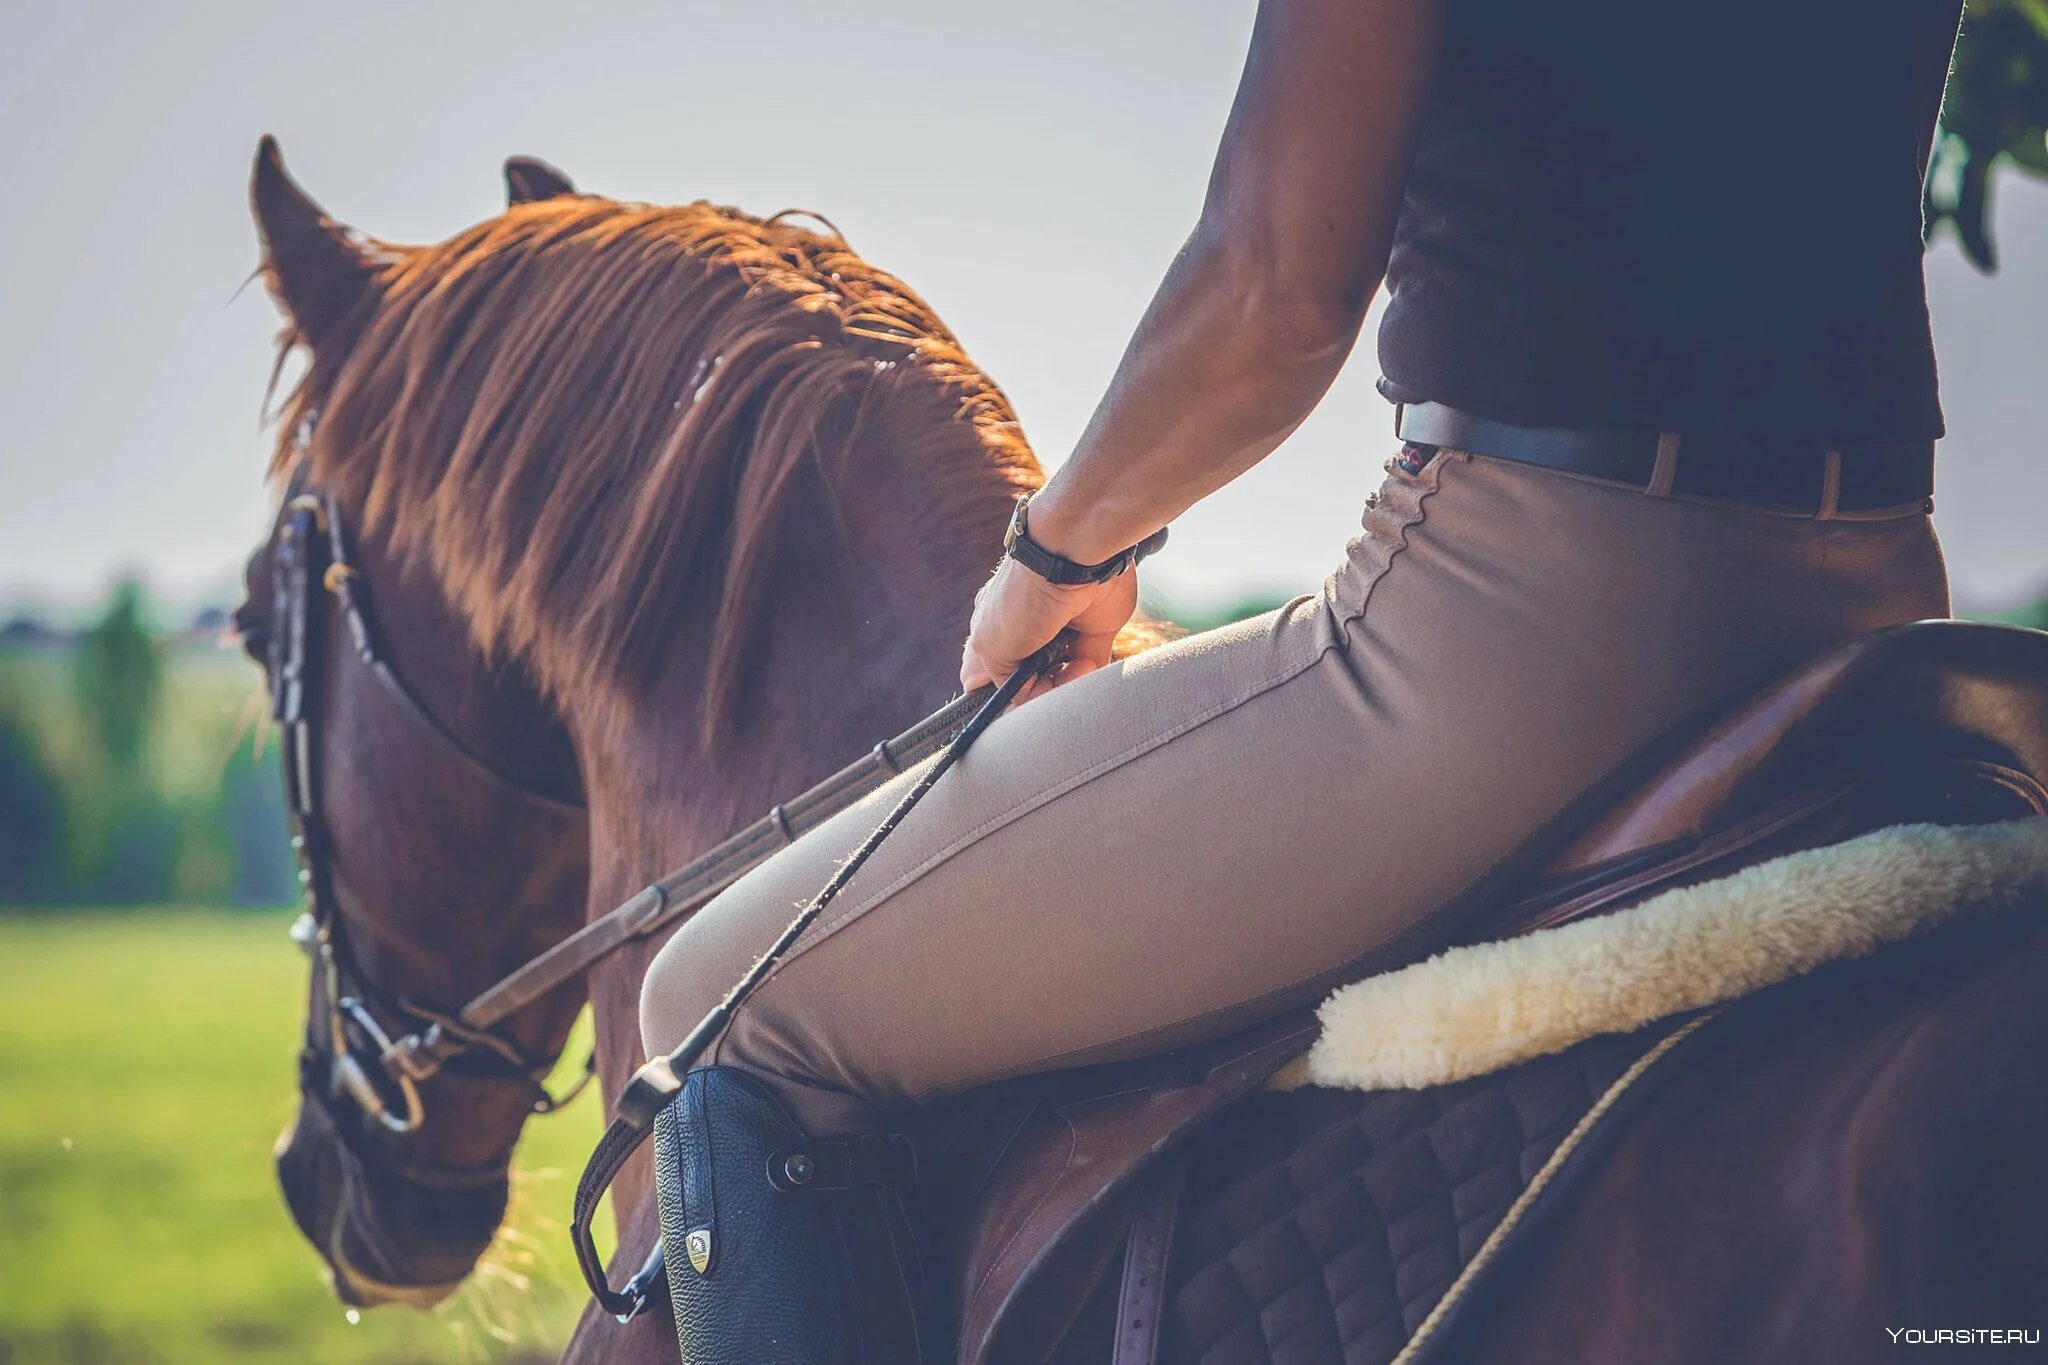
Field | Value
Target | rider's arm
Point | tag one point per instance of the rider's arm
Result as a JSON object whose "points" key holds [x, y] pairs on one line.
{"points": [[1256, 314], [1261, 306]]}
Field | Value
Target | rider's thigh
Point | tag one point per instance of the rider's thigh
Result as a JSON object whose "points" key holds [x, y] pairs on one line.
{"points": [[1224, 827]]}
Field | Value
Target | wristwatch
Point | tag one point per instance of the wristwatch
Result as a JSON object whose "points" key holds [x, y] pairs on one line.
{"points": [[1057, 568]]}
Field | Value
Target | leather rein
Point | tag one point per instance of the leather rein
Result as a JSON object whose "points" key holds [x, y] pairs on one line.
{"points": [[383, 1048]]}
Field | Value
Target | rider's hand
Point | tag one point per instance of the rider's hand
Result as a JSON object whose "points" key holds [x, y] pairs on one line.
{"points": [[1017, 613]]}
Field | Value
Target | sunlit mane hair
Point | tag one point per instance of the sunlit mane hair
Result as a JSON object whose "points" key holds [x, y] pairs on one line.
{"points": [[588, 413]]}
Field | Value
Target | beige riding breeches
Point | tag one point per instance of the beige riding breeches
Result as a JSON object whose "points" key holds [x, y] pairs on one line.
{"points": [[1227, 826]]}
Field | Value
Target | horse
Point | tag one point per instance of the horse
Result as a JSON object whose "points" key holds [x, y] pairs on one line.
{"points": [[670, 512]]}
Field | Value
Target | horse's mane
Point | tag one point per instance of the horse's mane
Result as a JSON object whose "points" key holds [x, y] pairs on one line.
{"points": [[570, 406]]}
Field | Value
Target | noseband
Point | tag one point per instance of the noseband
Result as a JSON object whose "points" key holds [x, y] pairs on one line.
{"points": [[380, 1048]]}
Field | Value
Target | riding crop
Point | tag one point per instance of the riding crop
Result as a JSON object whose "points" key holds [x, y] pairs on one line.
{"points": [[655, 1083]]}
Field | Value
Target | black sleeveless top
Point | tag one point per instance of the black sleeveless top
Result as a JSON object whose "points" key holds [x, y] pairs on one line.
{"points": [[1674, 217]]}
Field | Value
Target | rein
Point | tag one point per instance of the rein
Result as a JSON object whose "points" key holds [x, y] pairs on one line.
{"points": [[663, 903], [383, 1067]]}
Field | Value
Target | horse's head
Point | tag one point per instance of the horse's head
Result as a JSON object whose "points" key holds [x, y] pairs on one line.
{"points": [[441, 833], [579, 478]]}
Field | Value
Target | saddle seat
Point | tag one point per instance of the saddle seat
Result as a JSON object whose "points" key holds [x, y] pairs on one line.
{"points": [[1938, 722], [1944, 722]]}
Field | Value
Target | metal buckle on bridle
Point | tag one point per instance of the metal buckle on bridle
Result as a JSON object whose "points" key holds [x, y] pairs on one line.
{"points": [[411, 1059], [346, 1074], [419, 1056], [353, 1078]]}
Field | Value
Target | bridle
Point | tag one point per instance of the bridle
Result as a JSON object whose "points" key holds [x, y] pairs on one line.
{"points": [[382, 1048], [381, 1068]]}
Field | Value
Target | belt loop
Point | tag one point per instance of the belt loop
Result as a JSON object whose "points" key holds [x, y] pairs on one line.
{"points": [[1830, 487], [1666, 471]]}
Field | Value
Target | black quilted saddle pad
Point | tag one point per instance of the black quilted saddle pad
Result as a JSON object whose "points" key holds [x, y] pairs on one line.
{"points": [[1325, 1225]]}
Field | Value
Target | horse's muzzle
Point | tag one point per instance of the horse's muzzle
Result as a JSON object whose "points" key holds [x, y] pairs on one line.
{"points": [[385, 1239]]}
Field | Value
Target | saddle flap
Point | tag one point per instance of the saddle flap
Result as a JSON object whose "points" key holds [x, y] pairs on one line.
{"points": [[1046, 1223]]}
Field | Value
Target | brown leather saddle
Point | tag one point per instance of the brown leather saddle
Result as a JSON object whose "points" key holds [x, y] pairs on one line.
{"points": [[1937, 721]]}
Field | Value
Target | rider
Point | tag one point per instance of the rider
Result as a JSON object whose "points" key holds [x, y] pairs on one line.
{"points": [[1658, 335]]}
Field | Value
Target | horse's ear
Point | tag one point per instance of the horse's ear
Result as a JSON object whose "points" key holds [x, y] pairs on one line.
{"points": [[317, 270], [528, 180]]}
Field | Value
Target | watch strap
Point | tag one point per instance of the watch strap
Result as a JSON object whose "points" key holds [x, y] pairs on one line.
{"points": [[1056, 568]]}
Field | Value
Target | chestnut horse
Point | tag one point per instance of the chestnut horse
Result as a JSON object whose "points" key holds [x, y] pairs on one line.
{"points": [[609, 468]]}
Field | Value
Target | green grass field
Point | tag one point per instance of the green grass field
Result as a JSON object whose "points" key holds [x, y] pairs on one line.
{"points": [[145, 1068]]}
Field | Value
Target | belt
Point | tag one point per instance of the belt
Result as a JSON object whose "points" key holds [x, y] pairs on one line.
{"points": [[1792, 473]]}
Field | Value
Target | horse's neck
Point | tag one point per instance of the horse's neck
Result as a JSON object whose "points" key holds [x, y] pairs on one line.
{"points": [[862, 640]]}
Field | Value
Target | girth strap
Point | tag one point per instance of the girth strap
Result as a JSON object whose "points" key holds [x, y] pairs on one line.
{"points": [[1148, 1256]]}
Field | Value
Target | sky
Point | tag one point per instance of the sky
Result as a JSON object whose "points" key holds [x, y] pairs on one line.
{"points": [[1029, 168]]}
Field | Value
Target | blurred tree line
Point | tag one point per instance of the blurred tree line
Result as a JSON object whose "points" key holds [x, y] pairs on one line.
{"points": [[130, 770]]}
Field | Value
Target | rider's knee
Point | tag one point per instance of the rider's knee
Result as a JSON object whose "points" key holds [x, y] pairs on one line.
{"points": [[687, 977]]}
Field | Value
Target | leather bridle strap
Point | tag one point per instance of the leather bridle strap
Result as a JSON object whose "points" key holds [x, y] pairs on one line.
{"points": [[667, 901], [311, 565], [345, 583]]}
